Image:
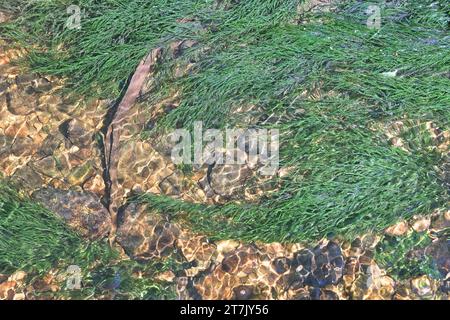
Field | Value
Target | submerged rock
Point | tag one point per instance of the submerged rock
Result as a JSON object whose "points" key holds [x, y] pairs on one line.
{"points": [[4, 17], [423, 286], [81, 210], [318, 267], [145, 236], [399, 229]]}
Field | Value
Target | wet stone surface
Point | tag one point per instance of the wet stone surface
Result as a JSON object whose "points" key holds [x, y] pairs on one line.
{"points": [[82, 211], [45, 137], [144, 236], [319, 267]]}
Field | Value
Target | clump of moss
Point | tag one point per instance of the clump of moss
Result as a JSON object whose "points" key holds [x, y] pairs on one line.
{"points": [[35, 240], [347, 178], [404, 257]]}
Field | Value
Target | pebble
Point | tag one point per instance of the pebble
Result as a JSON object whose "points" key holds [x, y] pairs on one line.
{"points": [[421, 224], [17, 276], [3, 17], [399, 229], [168, 276], [422, 286]]}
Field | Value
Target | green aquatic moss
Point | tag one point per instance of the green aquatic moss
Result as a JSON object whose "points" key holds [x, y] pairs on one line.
{"points": [[35, 240], [403, 257], [346, 177]]}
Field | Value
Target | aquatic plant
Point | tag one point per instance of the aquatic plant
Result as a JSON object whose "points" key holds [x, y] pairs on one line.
{"points": [[36, 241], [347, 178], [404, 257]]}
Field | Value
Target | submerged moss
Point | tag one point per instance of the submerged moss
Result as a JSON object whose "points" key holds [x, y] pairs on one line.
{"points": [[404, 257], [36, 241], [347, 178]]}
